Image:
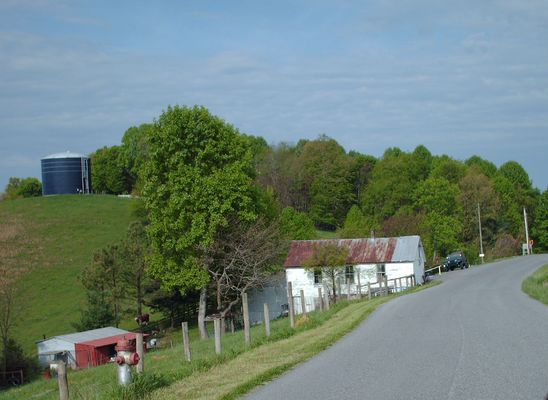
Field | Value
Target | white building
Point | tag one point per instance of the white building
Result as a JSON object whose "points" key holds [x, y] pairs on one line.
{"points": [[369, 258]]}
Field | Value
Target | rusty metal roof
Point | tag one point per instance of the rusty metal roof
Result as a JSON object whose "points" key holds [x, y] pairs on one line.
{"points": [[361, 251]]}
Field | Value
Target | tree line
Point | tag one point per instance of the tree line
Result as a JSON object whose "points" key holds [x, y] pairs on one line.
{"points": [[357, 195]]}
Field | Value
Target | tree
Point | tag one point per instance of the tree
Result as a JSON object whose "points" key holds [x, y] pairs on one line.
{"points": [[361, 169], [486, 167], [448, 168], [133, 155], [540, 225], [356, 224], [133, 252], [391, 186], [327, 176], [476, 189], [20, 188], [104, 281], [107, 172], [199, 177], [330, 259], [436, 195], [97, 314], [10, 271], [244, 257], [516, 174], [296, 225]]}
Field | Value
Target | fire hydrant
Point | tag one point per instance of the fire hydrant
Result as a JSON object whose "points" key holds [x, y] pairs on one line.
{"points": [[125, 357]]}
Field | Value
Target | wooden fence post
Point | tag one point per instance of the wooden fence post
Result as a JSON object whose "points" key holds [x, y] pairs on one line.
{"points": [[303, 304], [247, 328], [266, 320], [141, 352], [63, 381], [291, 304], [359, 285], [339, 290], [326, 298], [217, 328], [320, 297], [186, 341], [369, 290], [386, 284]]}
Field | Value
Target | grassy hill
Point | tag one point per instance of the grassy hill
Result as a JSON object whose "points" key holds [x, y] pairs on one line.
{"points": [[53, 238]]}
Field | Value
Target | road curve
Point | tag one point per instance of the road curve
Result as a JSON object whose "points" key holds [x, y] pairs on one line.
{"points": [[476, 336]]}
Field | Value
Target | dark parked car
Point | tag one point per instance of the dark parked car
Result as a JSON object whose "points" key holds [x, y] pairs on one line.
{"points": [[456, 260]]}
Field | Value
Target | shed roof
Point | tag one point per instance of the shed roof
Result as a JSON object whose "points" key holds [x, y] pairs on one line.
{"points": [[361, 251], [109, 340], [86, 336]]}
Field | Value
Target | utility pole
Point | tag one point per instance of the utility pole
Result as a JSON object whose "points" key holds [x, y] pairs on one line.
{"points": [[480, 235], [526, 232]]}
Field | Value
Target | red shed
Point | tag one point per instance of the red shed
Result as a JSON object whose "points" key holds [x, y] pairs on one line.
{"points": [[99, 351]]}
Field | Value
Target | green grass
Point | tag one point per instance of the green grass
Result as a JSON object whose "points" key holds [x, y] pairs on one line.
{"points": [[209, 376], [57, 237], [326, 234], [536, 285]]}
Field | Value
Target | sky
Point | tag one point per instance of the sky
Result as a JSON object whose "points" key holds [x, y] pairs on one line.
{"points": [[462, 78]]}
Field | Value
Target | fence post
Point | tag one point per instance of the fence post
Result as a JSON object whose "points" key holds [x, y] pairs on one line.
{"points": [[320, 298], [386, 285], [339, 290], [247, 328], [368, 290], [291, 304], [63, 382], [140, 352], [186, 341], [359, 285], [266, 320], [380, 281], [303, 304], [326, 298], [217, 328]]}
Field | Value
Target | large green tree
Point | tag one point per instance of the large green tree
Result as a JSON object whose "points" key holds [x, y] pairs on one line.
{"points": [[199, 176], [133, 155], [540, 224], [107, 171]]}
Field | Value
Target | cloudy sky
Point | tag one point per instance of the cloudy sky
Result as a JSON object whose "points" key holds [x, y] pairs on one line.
{"points": [[463, 77]]}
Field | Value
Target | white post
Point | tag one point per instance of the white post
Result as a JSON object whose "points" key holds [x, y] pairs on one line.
{"points": [[266, 320], [141, 352]]}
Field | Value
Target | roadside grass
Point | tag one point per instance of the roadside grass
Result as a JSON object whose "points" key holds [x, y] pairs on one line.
{"points": [[536, 285], [57, 238], [209, 376]]}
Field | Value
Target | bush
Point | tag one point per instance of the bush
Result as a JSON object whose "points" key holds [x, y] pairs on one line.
{"points": [[17, 360]]}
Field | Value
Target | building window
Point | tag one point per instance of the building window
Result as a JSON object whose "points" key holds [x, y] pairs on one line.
{"points": [[381, 272], [349, 274], [317, 275]]}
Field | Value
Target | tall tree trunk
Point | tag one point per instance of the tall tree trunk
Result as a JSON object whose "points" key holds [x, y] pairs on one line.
{"points": [[202, 313]]}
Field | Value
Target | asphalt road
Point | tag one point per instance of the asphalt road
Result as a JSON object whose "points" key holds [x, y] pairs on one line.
{"points": [[476, 336]]}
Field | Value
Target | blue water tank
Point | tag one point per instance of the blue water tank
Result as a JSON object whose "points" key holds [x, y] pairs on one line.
{"points": [[66, 173]]}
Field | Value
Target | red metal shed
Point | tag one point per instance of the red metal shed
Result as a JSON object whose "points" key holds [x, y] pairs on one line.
{"points": [[99, 351]]}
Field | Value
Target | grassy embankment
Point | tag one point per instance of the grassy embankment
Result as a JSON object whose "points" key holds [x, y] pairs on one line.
{"points": [[209, 376], [536, 285], [55, 238]]}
